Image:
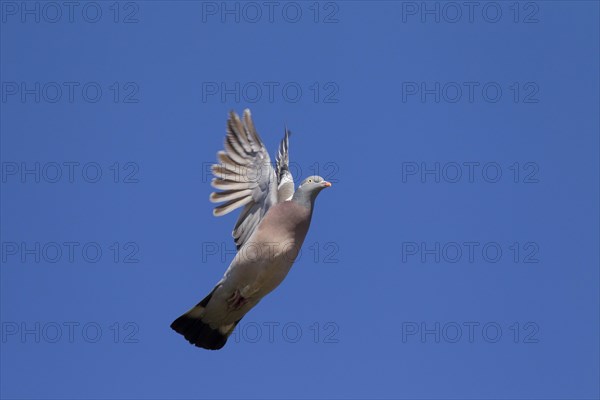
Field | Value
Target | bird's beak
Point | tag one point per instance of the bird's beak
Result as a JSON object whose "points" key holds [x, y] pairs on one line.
{"points": [[326, 184]]}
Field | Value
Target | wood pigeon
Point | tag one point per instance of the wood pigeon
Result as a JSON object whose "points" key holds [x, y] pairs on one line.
{"points": [[268, 234]]}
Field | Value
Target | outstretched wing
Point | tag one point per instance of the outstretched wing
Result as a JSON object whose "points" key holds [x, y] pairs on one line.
{"points": [[244, 176], [285, 180]]}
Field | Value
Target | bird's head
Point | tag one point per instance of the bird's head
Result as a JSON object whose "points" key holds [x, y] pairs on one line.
{"points": [[313, 185]]}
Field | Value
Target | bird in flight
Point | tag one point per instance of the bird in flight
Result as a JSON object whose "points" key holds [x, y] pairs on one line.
{"points": [[268, 233]]}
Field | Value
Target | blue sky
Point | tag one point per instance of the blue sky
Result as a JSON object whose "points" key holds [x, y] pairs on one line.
{"points": [[455, 256]]}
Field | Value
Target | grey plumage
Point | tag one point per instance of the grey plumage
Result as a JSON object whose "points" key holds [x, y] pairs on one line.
{"points": [[269, 232]]}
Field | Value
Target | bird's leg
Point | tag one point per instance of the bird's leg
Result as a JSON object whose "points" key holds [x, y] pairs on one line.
{"points": [[236, 300]]}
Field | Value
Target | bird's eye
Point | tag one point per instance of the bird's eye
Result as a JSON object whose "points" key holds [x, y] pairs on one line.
{"points": [[310, 180]]}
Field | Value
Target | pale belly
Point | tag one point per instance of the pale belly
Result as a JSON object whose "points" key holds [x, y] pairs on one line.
{"points": [[260, 265], [265, 266], [252, 281]]}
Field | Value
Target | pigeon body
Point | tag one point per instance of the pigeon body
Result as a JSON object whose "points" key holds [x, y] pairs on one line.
{"points": [[269, 232]]}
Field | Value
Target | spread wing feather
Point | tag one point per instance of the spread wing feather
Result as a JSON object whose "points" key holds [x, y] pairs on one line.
{"points": [[244, 177]]}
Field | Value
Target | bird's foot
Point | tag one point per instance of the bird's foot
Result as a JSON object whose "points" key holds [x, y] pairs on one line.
{"points": [[236, 300]]}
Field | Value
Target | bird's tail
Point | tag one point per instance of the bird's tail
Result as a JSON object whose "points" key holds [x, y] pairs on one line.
{"points": [[198, 333]]}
